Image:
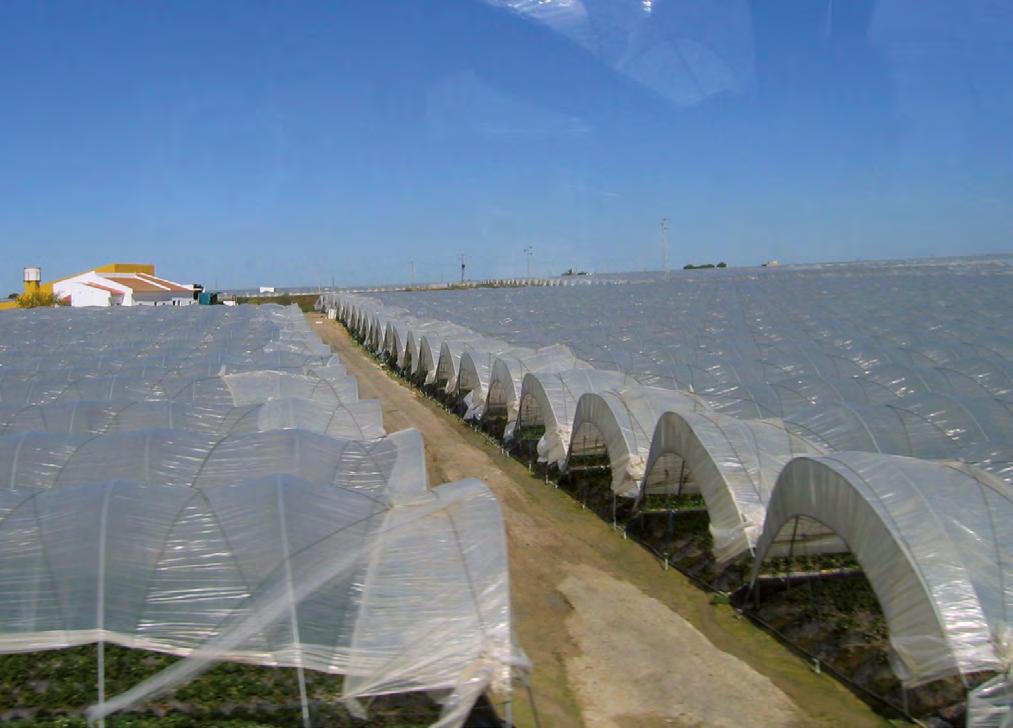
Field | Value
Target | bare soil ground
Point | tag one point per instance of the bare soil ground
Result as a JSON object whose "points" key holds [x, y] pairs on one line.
{"points": [[615, 639]]}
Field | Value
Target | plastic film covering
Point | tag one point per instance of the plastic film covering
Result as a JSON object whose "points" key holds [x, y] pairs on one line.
{"points": [[703, 331], [278, 571], [550, 401], [508, 372], [944, 318], [201, 460], [897, 358], [475, 372], [732, 463], [990, 705], [933, 538], [471, 361], [430, 347], [621, 423], [357, 420], [909, 358], [424, 341], [744, 370], [205, 481]]}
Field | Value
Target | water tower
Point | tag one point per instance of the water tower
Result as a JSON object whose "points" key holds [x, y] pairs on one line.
{"points": [[33, 278]]}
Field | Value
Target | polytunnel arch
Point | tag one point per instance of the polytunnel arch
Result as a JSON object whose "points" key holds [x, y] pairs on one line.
{"points": [[410, 361], [472, 373], [502, 392], [395, 339], [506, 380], [368, 328], [732, 463], [203, 459], [846, 426], [391, 345], [372, 332], [532, 410], [925, 534], [377, 332], [976, 378], [473, 376], [927, 425], [447, 365], [549, 401], [427, 361], [357, 320], [599, 431], [622, 423]]}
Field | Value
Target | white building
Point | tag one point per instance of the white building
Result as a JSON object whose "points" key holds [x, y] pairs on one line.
{"points": [[95, 288]]}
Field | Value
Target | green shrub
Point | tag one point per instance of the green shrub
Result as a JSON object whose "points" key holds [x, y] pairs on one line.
{"points": [[37, 299]]}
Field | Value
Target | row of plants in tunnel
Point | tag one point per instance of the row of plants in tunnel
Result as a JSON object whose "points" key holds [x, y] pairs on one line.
{"points": [[44, 688], [672, 501], [529, 433], [811, 562], [589, 459]]}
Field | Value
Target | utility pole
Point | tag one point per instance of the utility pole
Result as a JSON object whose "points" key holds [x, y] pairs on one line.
{"points": [[462, 268], [413, 274], [664, 246], [529, 251]]}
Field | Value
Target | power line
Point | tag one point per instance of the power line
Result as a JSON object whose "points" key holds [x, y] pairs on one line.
{"points": [[664, 246]]}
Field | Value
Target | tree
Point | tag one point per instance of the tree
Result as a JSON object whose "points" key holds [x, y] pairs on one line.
{"points": [[37, 299]]}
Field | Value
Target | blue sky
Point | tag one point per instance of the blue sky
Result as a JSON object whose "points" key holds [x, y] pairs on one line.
{"points": [[249, 143]]}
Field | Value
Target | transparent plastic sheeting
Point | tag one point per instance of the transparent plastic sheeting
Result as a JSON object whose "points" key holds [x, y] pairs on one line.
{"points": [[203, 460], [549, 400], [498, 376], [622, 423], [934, 540], [328, 385], [732, 463], [716, 381], [239, 338], [398, 590], [507, 376], [988, 705], [937, 327], [205, 481], [356, 420], [193, 354], [901, 358]]}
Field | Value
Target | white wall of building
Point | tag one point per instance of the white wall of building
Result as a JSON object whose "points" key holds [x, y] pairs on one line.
{"points": [[84, 295]]}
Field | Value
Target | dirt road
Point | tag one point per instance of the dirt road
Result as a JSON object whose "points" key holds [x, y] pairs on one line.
{"points": [[616, 641]]}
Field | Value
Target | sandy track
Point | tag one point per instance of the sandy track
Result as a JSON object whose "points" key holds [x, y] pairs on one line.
{"points": [[615, 640]]}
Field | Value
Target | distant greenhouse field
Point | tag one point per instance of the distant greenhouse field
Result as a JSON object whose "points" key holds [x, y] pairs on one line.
{"points": [[904, 358], [704, 329]]}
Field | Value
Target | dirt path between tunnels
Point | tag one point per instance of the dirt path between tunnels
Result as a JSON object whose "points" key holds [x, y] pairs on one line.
{"points": [[616, 641]]}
